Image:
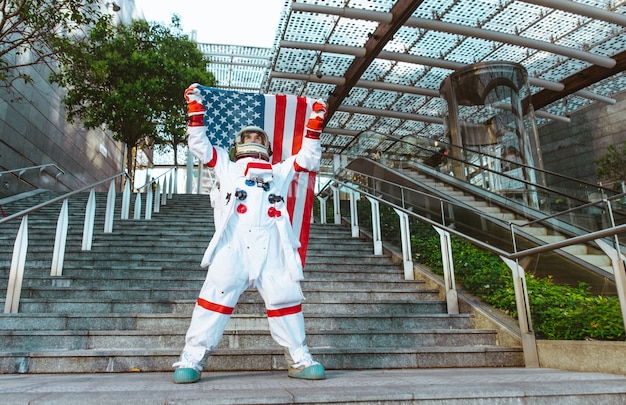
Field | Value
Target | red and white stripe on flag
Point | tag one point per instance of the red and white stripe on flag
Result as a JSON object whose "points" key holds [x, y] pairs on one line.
{"points": [[285, 120]]}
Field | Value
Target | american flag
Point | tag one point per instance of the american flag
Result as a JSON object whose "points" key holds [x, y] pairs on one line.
{"points": [[284, 118]]}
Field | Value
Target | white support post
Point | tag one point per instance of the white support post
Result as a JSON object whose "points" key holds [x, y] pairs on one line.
{"points": [[405, 234], [110, 209], [149, 197], [336, 162], [172, 183], [336, 205], [452, 298], [617, 261], [157, 198], [354, 217], [189, 182], [529, 344], [164, 192], [322, 201], [60, 241], [16, 274], [378, 242], [200, 177], [90, 215], [126, 201], [137, 211]]}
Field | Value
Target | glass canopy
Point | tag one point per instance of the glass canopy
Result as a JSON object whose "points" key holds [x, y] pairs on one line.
{"points": [[380, 63]]}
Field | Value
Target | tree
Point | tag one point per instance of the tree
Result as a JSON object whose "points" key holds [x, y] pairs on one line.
{"points": [[179, 68], [33, 32], [130, 79], [612, 166]]}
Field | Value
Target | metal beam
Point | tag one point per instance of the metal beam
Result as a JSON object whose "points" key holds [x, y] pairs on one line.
{"points": [[510, 39], [236, 55], [252, 65], [370, 84], [595, 13], [390, 114], [355, 13], [325, 79], [459, 29], [401, 12], [367, 84], [327, 48], [578, 81], [404, 57]]}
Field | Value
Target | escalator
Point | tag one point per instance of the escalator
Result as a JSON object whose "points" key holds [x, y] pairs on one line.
{"points": [[489, 217]]}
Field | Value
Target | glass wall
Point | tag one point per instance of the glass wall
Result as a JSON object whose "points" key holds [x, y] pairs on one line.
{"points": [[490, 122]]}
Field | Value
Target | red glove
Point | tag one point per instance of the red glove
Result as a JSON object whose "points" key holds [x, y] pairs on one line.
{"points": [[316, 119], [195, 109]]}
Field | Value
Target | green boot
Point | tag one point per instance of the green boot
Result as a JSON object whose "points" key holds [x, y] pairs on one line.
{"points": [[185, 375], [313, 372]]}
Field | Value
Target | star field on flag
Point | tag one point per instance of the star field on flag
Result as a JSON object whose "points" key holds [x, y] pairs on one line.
{"points": [[229, 111]]}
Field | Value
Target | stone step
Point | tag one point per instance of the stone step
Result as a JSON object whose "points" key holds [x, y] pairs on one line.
{"points": [[169, 270], [428, 386], [170, 321], [115, 257], [320, 294], [147, 360], [41, 250], [94, 305], [241, 339], [127, 303], [197, 239], [600, 260], [195, 280]]}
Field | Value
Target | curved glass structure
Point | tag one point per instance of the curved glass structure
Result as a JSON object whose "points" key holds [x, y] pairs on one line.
{"points": [[490, 122]]}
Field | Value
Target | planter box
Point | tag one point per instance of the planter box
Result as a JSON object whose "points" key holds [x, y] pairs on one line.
{"points": [[587, 355]]}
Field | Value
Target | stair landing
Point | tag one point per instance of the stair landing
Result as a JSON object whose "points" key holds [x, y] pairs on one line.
{"points": [[485, 386]]}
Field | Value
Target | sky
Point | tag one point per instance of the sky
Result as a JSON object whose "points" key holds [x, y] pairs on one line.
{"points": [[230, 22]]}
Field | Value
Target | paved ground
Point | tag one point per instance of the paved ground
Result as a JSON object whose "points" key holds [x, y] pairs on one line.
{"points": [[423, 386]]}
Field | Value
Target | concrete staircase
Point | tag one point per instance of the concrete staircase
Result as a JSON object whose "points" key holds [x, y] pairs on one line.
{"points": [[596, 263], [126, 304]]}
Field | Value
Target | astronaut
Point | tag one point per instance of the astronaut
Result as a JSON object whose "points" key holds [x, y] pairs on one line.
{"points": [[253, 245]]}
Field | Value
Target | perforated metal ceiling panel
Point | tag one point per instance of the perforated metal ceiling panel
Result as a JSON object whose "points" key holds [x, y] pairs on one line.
{"points": [[319, 45]]}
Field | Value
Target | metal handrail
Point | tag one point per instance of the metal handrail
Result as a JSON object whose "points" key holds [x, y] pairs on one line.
{"points": [[18, 260], [511, 259], [592, 236], [40, 167], [574, 209], [537, 187], [60, 198], [155, 179], [542, 171], [157, 198]]}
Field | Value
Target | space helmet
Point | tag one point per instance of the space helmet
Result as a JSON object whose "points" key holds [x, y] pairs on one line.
{"points": [[255, 150]]}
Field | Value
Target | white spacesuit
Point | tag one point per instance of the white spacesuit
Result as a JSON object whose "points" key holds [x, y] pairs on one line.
{"points": [[253, 245]]}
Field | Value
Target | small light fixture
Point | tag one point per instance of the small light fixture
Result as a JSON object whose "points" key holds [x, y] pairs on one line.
{"points": [[114, 6]]}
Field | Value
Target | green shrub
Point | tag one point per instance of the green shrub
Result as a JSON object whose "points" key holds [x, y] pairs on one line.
{"points": [[557, 311]]}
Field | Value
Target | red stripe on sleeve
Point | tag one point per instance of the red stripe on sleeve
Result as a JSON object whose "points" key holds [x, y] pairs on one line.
{"points": [[272, 313], [211, 306], [299, 168], [196, 120], [211, 163]]}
